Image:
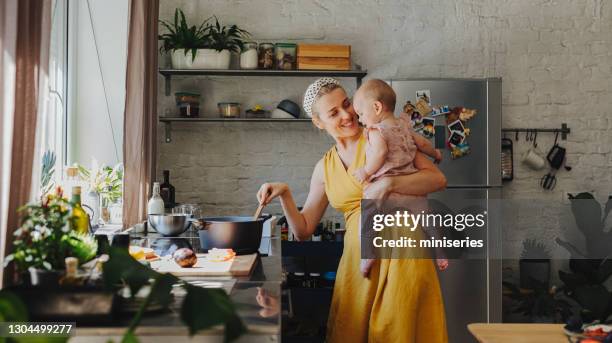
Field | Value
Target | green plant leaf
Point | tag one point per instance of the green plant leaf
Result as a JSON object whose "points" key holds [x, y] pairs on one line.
{"points": [[129, 337], [572, 280], [122, 267], [594, 298], [12, 308], [162, 287], [219, 310], [587, 214]]}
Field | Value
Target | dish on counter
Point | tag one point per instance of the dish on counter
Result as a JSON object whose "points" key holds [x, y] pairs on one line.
{"points": [[220, 255], [143, 254]]}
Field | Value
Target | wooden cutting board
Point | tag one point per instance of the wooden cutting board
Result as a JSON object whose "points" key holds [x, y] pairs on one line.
{"points": [[241, 265], [323, 63], [324, 50]]}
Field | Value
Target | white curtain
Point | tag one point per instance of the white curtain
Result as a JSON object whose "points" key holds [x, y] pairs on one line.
{"points": [[8, 37]]}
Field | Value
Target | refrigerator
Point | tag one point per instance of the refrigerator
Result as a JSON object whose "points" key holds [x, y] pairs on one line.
{"points": [[471, 287]]}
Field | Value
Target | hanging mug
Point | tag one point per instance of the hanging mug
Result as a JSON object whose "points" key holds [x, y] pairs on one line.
{"points": [[533, 159]]}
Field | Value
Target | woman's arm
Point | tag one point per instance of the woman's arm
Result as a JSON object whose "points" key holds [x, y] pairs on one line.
{"points": [[375, 159], [305, 222], [427, 180]]}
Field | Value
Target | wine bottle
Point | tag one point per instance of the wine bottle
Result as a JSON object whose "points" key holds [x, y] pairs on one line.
{"points": [[79, 220], [167, 191]]}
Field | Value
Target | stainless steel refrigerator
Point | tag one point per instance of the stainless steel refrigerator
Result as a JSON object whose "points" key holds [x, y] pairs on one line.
{"points": [[471, 287]]}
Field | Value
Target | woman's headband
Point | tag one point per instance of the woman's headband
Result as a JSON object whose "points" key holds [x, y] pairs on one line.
{"points": [[313, 91]]}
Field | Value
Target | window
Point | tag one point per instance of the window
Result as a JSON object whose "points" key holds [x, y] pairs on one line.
{"points": [[87, 62]]}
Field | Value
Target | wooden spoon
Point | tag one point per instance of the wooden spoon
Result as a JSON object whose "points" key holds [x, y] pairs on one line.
{"points": [[258, 211]]}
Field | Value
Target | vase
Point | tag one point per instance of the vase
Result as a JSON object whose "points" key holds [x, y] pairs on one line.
{"points": [[204, 59], [43, 278], [92, 200]]}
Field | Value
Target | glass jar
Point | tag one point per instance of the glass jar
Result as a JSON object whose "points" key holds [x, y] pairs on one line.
{"points": [[229, 109], [266, 56], [249, 58], [188, 103], [285, 54]]}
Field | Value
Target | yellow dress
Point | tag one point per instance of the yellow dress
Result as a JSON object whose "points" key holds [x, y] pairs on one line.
{"points": [[401, 301]]}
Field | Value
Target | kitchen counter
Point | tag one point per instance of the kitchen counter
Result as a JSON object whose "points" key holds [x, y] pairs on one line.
{"points": [[511, 333], [262, 324]]}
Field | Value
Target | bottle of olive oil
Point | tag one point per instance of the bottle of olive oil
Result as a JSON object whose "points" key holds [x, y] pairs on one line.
{"points": [[79, 221]]}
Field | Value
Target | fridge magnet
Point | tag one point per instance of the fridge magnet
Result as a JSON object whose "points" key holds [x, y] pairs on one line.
{"points": [[439, 110], [455, 139], [457, 126], [428, 127], [409, 108], [423, 107], [424, 94], [466, 114], [417, 122], [461, 113], [460, 150]]}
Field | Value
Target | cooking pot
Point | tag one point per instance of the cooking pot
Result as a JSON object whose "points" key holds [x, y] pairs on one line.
{"points": [[240, 233]]}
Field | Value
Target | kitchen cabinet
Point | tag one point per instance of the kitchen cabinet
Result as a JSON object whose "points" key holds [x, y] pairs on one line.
{"points": [[358, 74]]}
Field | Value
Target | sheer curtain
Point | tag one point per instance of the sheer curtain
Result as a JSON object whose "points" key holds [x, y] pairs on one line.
{"points": [[24, 47], [140, 118]]}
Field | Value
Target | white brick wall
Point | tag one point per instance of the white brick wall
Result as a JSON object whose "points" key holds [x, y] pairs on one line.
{"points": [[554, 57]]}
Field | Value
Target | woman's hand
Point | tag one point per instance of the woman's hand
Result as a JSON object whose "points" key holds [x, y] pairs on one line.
{"points": [[379, 190], [268, 191]]}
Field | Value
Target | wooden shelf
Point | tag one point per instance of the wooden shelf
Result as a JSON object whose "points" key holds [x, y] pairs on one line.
{"points": [[230, 120], [356, 73], [169, 73], [169, 120]]}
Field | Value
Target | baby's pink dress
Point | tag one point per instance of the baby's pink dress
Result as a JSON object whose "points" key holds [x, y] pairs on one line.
{"points": [[401, 150]]}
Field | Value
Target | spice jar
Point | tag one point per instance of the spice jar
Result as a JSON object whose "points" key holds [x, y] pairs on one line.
{"points": [[297, 279], [285, 56], [314, 280], [229, 109], [188, 103], [266, 56], [249, 58]]}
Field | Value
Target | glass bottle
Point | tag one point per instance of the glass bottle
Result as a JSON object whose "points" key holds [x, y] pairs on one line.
{"points": [[156, 203], [79, 221], [167, 191]]}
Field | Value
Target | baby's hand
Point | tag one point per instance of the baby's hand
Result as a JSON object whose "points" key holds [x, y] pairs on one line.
{"points": [[361, 175], [442, 263], [438, 156]]}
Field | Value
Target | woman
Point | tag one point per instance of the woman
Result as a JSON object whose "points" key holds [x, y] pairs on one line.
{"points": [[401, 300]]}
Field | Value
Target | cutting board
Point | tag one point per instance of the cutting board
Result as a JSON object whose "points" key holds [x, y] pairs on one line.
{"points": [[324, 50], [241, 265], [323, 63]]}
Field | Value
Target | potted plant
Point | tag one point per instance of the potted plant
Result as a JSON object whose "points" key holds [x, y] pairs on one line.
{"points": [[181, 39], [591, 266], [221, 41], [45, 239], [105, 187], [201, 47], [534, 265]]}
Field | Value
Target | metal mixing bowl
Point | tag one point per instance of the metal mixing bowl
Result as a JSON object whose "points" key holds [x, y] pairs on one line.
{"points": [[169, 224]]}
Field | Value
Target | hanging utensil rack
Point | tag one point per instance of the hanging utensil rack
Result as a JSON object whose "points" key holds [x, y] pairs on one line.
{"points": [[564, 130]]}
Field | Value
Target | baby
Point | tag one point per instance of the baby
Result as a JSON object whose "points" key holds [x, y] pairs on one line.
{"points": [[392, 144]]}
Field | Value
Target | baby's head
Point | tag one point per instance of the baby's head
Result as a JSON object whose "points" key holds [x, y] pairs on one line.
{"points": [[374, 102]]}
